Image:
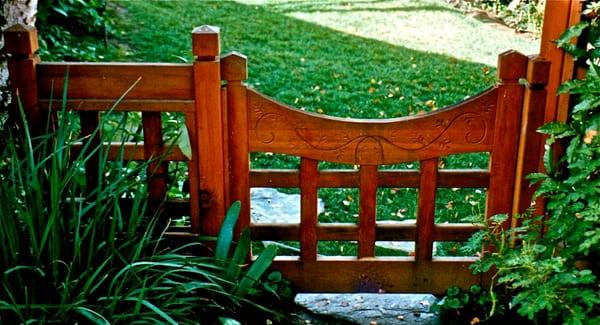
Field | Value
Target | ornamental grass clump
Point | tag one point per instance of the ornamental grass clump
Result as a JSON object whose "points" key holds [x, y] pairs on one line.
{"points": [[70, 253]]}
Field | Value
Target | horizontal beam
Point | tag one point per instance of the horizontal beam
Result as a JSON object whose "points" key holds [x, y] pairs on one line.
{"points": [[348, 231], [399, 274], [112, 80], [126, 105], [447, 178], [133, 151]]}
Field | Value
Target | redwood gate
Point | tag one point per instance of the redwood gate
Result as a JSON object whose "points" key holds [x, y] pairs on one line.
{"points": [[227, 123]]}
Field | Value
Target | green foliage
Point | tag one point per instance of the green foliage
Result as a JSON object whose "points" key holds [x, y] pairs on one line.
{"points": [[523, 15], [69, 29], [70, 253], [552, 274], [471, 306]]}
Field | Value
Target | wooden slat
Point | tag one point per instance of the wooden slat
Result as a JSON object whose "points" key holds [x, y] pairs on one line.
{"points": [[308, 209], [209, 125], [123, 106], [111, 80], [503, 160], [448, 178], [530, 141], [89, 122], [368, 211], [193, 173], [157, 170], [349, 232], [465, 127], [376, 275], [426, 210], [134, 151], [20, 41], [234, 70]]}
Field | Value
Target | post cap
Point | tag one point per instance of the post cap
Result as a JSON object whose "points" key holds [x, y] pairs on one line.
{"points": [[21, 39], [234, 66], [538, 70], [206, 41], [512, 65]]}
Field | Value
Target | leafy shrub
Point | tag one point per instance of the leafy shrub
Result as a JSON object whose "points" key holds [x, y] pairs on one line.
{"points": [[523, 15], [70, 253], [69, 29], [552, 274]]}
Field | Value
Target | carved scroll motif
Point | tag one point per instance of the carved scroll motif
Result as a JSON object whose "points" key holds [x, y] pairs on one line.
{"points": [[463, 128]]}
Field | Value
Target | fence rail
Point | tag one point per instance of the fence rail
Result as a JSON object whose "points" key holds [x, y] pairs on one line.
{"points": [[227, 121]]}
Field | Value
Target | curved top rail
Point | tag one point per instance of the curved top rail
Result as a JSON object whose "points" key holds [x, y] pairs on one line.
{"points": [[464, 127]]}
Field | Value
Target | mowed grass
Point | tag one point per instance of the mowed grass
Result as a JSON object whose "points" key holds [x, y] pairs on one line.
{"points": [[319, 57]]}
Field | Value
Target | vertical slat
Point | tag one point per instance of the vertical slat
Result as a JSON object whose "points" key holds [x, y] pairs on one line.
{"points": [[503, 160], [308, 209], [209, 123], [426, 210], [368, 211], [194, 182], [234, 70], [89, 122], [21, 43], [157, 169], [530, 141]]}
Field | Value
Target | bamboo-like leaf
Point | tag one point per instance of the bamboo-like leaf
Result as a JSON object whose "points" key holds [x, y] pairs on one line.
{"points": [[91, 315], [226, 234], [240, 255], [256, 270]]}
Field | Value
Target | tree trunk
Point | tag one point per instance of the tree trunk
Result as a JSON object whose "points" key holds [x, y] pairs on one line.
{"points": [[13, 12]]}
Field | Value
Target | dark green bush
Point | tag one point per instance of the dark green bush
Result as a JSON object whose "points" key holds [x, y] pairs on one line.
{"points": [[70, 29]]}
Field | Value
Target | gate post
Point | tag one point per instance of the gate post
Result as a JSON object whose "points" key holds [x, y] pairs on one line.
{"points": [[21, 43], [234, 69], [209, 122], [530, 141], [512, 66]]}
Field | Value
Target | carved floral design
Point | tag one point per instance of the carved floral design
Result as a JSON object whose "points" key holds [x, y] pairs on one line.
{"points": [[368, 143]]}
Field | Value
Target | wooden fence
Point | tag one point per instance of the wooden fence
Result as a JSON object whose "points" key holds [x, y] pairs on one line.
{"points": [[227, 121]]}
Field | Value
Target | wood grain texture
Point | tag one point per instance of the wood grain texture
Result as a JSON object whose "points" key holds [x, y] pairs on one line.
{"points": [[377, 275], [530, 141], [308, 209], [349, 231], [157, 169], [447, 178], [89, 122], [193, 173], [367, 211], [465, 127], [21, 40], [233, 69], [503, 160], [139, 105], [426, 210], [133, 151], [111, 80], [210, 144]]}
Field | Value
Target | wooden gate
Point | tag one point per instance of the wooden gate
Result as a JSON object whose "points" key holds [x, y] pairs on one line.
{"points": [[227, 121]]}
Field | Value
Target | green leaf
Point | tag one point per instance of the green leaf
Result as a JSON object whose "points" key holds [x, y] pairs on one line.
{"points": [[256, 270], [228, 321], [91, 315], [240, 255], [556, 129], [569, 34], [184, 142], [225, 237]]}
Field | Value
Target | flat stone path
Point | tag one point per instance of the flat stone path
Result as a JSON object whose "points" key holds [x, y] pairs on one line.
{"points": [[369, 308]]}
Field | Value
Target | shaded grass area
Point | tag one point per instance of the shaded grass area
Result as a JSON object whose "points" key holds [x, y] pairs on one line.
{"points": [[322, 70]]}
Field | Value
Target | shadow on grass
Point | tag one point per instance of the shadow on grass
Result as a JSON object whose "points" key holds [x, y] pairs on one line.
{"points": [[321, 6]]}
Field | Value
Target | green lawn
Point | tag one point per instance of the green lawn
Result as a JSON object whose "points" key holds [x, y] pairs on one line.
{"points": [[367, 59]]}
